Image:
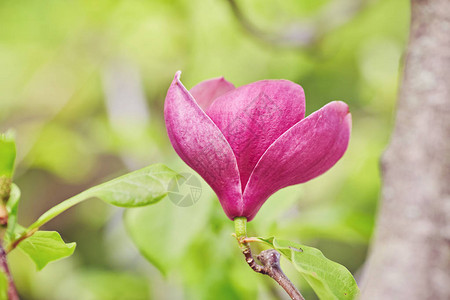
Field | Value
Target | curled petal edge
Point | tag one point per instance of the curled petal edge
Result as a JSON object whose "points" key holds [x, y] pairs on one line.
{"points": [[201, 145], [303, 152]]}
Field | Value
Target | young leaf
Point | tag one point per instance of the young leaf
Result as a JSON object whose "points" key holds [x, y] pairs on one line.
{"points": [[12, 206], [7, 155], [139, 188], [329, 280], [46, 246]]}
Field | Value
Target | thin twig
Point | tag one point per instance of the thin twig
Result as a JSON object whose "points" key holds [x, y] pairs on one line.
{"points": [[302, 38], [270, 260], [307, 32], [12, 292]]}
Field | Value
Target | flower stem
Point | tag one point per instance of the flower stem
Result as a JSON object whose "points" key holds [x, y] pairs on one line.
{"points": [[240, 226]]}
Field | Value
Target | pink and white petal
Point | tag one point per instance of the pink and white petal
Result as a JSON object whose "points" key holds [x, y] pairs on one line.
{"points": [[305, 151], [207, 91], [202, 146], [253, 116]]}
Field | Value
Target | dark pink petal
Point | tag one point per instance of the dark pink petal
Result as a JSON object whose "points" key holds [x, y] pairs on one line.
{"points": [[202, 146], [253, 116], [207, 91], [305, 151]]}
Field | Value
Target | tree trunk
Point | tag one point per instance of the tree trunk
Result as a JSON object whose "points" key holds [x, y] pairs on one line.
{"points": [[410, 257]]}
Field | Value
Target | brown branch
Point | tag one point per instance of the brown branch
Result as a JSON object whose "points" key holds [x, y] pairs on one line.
{"points": [[307, 32], [410, 255], [251, 261], [270, 260], [12, 292]]}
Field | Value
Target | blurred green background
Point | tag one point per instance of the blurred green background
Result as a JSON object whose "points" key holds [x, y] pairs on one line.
{"points": [[82, 84]]}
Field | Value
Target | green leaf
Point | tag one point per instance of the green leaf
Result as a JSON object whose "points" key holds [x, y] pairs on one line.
{"points": [[46, 246], [329, 279], [7, 155], [139, 188], [4, 285], [12, 206], [165, 231]]}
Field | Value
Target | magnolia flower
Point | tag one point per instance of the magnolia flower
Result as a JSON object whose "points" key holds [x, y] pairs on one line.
{"points": [[249, 142]]}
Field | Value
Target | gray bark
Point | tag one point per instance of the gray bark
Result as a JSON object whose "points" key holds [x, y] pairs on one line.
{"points": [[410, 257]]}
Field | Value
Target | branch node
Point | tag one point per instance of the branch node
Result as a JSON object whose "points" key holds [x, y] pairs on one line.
{"points": [[270, 260]]}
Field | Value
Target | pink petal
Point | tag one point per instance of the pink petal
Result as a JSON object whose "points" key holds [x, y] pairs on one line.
{"points": [[253, 116], [207, 91], [202, 146], [305, 151]]}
